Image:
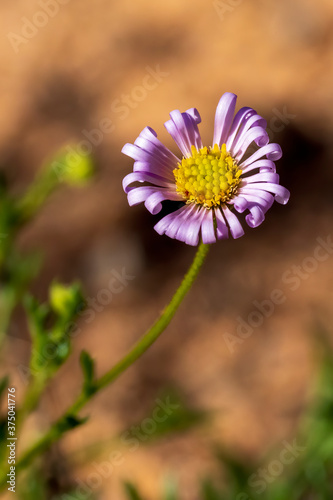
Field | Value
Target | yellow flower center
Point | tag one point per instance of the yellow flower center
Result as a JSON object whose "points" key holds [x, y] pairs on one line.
{"points": [[210, 177]]}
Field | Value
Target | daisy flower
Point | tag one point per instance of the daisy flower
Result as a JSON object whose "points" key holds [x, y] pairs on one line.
{"points": [[214, 184]]}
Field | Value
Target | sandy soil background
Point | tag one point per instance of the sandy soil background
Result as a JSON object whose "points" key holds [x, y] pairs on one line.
{"points": [[77, 70]]}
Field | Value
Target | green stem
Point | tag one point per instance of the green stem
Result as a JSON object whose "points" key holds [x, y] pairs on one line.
{"points": [[7, 305], [31, 400], [36, 195], [63, 424]]}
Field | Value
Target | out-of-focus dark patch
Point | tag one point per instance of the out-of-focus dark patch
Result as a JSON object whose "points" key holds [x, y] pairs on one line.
{"points": [[303, 169], [149, 41], [61, 97], [158, 249]]}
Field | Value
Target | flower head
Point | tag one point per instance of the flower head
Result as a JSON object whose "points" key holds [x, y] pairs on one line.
{"points": [[214, 184]]}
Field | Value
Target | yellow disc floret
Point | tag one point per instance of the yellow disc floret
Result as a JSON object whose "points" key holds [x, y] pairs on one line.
{"points": [[209, 177]]}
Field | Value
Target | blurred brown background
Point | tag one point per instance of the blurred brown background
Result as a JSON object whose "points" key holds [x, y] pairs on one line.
{"points": [[78, 69]]}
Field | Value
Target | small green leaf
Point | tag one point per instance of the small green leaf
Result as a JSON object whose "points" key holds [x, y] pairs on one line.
{"points": [[37, 316], [3, 436], [209, 491], [3, 384], [33, 486], [131, 491], [70, 422], [170, 490], [88, 366], [74, 495]]}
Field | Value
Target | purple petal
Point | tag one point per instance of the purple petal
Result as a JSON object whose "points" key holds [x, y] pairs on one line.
{"points": [[207, 228], [251, 121], [150, 134], [236, 229], [153, 202], [176, 227], [143, 155], [261, 177], [247, 202], [262, 165], [241, 118], [272, 151], [282, 194], [162, 226], [155, 168], [255, 134], [189, 230], [152, 196], [144, 177], [222, 230], [255, 217], [194, 113], [223, 118], [140, 194], [257, 197], [151, 151], [151, 154], [178, 230], [240, 203], [182, 224], [184, 130], [192, 130], [189, 226]]}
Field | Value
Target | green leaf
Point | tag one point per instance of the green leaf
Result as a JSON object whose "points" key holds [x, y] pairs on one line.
{"points": [[3, 384], [37, 316], [170, 490], [74, 495], [34, 485], [209, 492], [179, 416], [131, 491], [237, 472], [88, 367], [3, 436], [69, 422]]}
